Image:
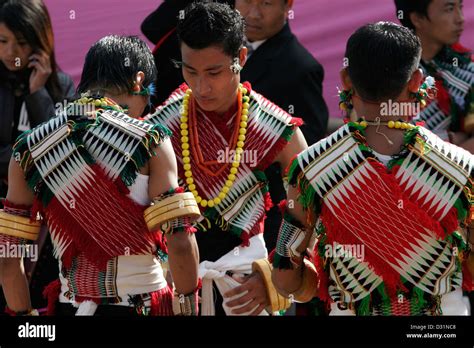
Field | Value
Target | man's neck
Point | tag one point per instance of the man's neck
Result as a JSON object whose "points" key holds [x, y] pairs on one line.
{"points": [[224, 110], [430, 48], [378, 139]]}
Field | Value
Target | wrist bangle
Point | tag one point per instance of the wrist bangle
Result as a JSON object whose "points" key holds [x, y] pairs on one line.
{"points": [[186, 305], [290, 238], [177, 225], [277, 301], [171, 207]]}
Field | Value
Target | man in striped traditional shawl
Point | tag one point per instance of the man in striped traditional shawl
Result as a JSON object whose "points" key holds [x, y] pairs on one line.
{"points": [[392, 202], [439, 25], [92, 173], [226, 135]]}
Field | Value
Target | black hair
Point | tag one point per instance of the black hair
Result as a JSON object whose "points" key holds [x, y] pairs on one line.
{"points": [[381, 59], [113, 62], [406, 7], [30, 19], [206, 24]]}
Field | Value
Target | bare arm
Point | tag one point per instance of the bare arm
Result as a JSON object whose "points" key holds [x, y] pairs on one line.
{"points": [[294, 147], [12, 273], [468, 145], [287, 281], [18, 190], [182, 248]]}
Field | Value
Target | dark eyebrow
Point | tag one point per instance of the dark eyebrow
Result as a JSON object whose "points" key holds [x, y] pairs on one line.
{"points": [[450, 3], [187, 65], [5, 36], [213, 67]]}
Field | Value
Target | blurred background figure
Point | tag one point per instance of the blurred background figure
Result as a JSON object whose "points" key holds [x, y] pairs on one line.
{"points": [[30, 86], [439, 24], [280, 67]]}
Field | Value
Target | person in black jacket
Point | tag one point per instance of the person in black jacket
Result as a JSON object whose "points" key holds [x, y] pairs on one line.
{"points": [[280, 67], [30, 88], [160, 28], [287, 74]]}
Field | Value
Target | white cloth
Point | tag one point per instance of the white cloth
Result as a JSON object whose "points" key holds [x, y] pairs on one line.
{"points": [[139, 190], [86, 308], [138, 274], [453, 303], [238, 261], [382, 158]]}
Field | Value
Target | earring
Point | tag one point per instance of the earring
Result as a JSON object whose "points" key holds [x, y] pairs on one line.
{"points": [[150, 90], [176, 64], [236, 67], [426, 91], [345, 99]]}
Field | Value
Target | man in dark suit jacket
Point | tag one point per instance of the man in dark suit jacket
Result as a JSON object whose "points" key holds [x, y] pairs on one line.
{"points": [[281, 69]]}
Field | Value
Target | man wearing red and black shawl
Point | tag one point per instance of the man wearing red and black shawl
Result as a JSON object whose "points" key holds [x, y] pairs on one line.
{"points": [[226, 134]]}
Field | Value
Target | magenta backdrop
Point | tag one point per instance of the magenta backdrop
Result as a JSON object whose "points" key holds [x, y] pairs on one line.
{"points": [[323, 26]]}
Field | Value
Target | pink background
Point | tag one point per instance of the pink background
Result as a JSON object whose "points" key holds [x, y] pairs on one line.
{"points": [[323, 26]]}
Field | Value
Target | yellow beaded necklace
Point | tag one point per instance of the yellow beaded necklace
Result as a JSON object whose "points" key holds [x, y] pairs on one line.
{"points": [[99, 103], [401, 125], [185, 147], [390, 124]]}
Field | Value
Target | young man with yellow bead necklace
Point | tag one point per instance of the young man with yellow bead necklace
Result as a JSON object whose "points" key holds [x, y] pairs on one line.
{"points": [[213, 114]]}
